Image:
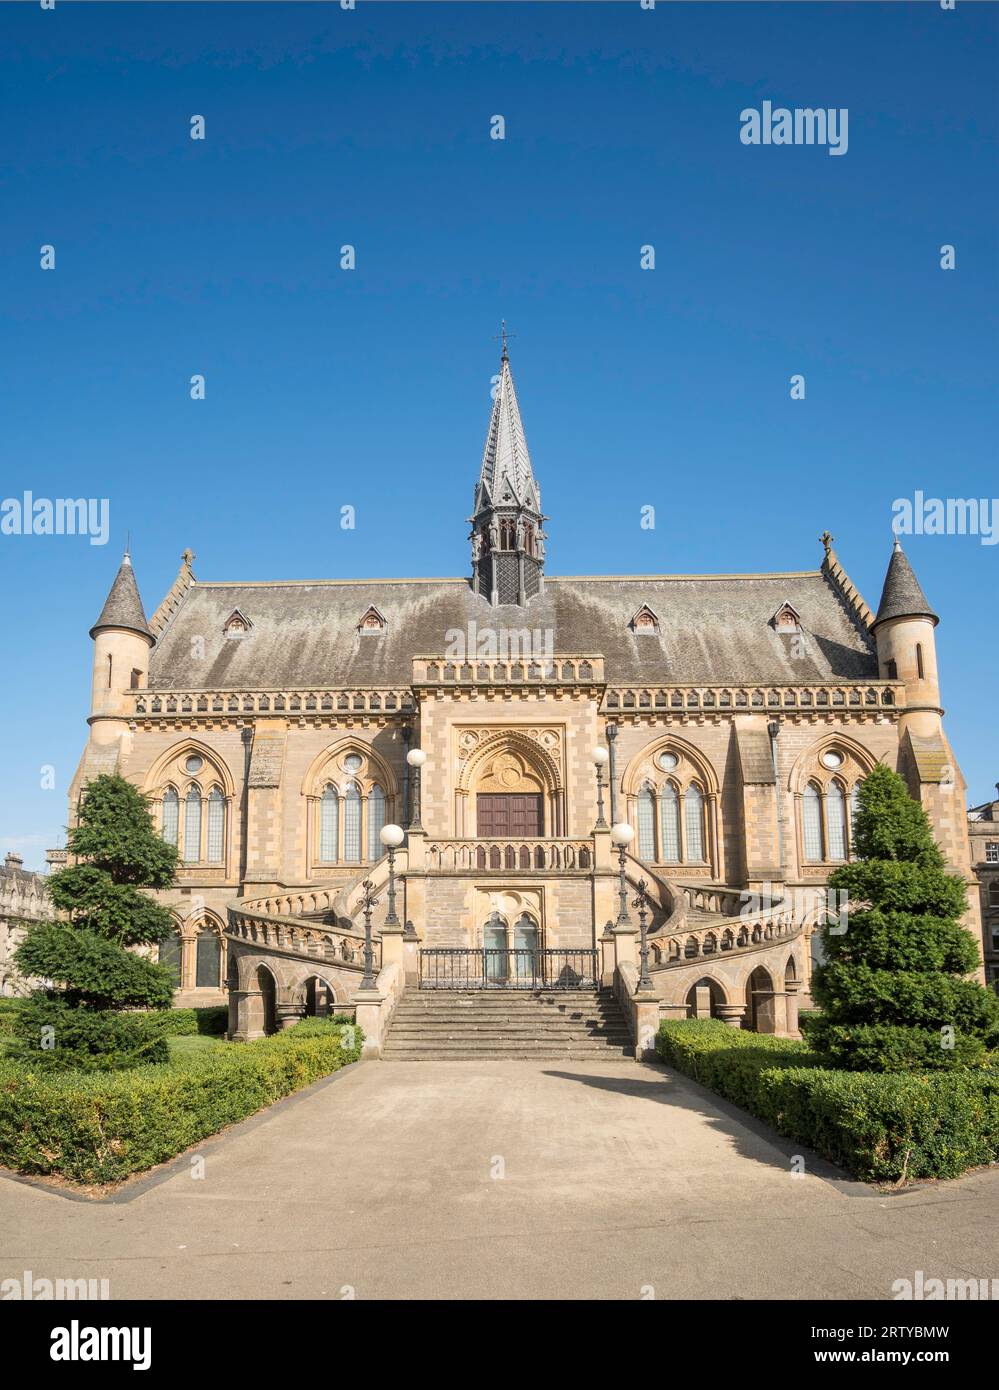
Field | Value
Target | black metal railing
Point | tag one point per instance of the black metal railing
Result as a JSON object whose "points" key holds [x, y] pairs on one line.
{"points": [[444, 967]]}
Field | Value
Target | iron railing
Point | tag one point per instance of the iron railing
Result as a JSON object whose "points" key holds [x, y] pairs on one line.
{"points": [[459, 968]]}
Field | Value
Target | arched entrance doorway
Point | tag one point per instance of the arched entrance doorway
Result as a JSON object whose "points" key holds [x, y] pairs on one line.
{"points": [[509, 799]]}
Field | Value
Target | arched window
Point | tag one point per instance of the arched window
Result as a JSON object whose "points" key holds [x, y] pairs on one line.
{"points": [[694, 822], [812, 813], [216, 826], [669, 824], [192, 826], [854, 804], [171, 815], [208, 973], [329, 826], [352, 825], [646, 825], [376, 819], [835, 821]]}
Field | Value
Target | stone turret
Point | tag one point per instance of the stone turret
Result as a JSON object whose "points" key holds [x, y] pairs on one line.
{"points": [[906, 642], [122, 641], [508, 539]]}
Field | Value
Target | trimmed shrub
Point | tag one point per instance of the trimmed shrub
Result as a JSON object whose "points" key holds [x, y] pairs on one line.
{"points": [[893, 990], [102, 1127], [85, 955], [881, 1127], [66, 1038]]}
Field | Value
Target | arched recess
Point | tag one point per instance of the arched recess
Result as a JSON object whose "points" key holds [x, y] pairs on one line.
{"points": [[538, 767], [672, 796], [705, 998], [354, 771], [319, 995]]}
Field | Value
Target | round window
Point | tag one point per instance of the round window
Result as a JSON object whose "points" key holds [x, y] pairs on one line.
{"points": [[194, 763], [831, 758], [352, 762], [667, 761]]}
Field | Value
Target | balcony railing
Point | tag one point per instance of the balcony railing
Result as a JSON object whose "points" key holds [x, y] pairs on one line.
{"points": [[153, 704], [504, 856]]}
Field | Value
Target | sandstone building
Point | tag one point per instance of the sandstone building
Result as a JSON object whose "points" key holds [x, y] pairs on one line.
{"points": [[270, 722], [983, 832]]}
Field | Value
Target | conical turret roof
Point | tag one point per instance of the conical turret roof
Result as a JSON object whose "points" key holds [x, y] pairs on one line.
{"points": [[902, 596], [123, 606]]}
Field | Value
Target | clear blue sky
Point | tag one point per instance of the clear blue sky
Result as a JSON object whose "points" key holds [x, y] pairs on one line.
{"points": [[327, 387]]}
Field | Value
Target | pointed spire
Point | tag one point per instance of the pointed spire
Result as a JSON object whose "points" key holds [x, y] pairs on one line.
{"points": [[902, 596], [506, 477], [123, 606]]}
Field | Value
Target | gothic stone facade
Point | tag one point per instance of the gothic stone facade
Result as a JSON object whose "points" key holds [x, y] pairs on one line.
{"points": [[269, 723]]}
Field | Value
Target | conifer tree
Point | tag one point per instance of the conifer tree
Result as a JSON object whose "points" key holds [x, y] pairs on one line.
{"points": [[894, 989], [79, 1017]]}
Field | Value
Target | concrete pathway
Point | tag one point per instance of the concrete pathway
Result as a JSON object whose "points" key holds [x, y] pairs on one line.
{"points": [[503, 1179]]}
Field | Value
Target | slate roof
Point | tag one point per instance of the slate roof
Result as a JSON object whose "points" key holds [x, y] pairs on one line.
{"points": [[902, 596], [713, 630], [123, 606]]}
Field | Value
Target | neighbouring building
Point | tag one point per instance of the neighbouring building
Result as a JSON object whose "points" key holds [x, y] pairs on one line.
{"points": [[23, 898], [983, 832], [275, 726]]}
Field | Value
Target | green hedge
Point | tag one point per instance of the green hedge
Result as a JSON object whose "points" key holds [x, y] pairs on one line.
{"points": [[100, 1128], [174, 1023], [887, 1127], [8, 1013]]}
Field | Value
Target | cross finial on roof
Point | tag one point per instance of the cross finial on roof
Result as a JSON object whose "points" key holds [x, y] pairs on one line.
{"points": [[502, 337], [187, 556], [827, 541]]}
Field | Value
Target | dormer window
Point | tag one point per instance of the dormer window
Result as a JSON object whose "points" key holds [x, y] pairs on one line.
{"points": [[372, 623], [786, 619], [237, 624], [645, 621]]}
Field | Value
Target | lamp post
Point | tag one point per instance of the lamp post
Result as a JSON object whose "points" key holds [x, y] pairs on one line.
{"points": [[611, 733], [600, 758], [642, 903], [416, 758], [368, 901], [391, 837], [622, 835]]}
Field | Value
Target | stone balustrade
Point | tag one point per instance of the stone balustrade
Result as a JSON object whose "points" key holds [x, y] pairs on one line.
{"points": [[761, 929], [527, 855], [303, 938], [875, 695], [152, 704], [513, 670]]}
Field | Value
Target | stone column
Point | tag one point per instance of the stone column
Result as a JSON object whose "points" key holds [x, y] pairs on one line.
{"points": [[286, 1015], [771, 1012], [791, 1006], [732, 1014]]}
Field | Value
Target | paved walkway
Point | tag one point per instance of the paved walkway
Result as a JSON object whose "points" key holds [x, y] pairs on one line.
{"points": [[615, 1178]]}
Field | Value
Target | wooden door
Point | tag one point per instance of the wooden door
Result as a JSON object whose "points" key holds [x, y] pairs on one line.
{"points": [[508, 815]]}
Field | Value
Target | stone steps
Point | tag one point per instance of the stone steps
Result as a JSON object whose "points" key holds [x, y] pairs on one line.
{"points": [[477, 1025]]}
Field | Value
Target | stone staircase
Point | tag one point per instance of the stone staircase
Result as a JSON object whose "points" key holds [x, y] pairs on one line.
{"points": [[441, 1025]]}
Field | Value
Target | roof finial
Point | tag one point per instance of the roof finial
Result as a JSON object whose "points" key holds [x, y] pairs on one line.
{"points": [[126, 559], [827, 541], [502, 337]]}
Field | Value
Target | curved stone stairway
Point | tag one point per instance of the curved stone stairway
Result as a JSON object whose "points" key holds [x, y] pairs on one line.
{"points": [[472, 1025]]}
